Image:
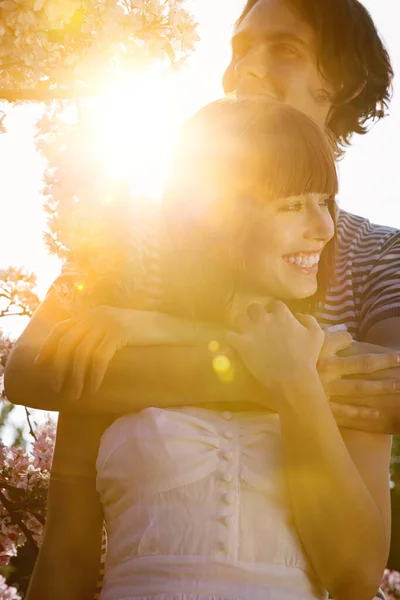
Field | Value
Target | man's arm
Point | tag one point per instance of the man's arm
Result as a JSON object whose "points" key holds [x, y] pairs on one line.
{"points": [[137, 377], [67, 567], [385, 333], [377, 387]]}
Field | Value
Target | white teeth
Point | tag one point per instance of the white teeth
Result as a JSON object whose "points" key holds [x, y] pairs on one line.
{"points": [[303, 260]]}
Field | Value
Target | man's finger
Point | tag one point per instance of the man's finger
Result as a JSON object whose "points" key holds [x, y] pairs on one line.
{"points": [[63, 358], [360, 364], [102, 357], [347, 411], [50, 344], [82, 362], [362, 387]]}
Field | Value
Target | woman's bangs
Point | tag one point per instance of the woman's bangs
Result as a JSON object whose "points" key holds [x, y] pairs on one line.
{"points": [[288, 167]]}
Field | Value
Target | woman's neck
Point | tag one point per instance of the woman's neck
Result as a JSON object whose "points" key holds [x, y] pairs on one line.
{"points": [[242, 301]]}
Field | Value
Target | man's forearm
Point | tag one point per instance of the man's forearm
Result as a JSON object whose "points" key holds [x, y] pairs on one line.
{"points": [[68, 564], [385, 333], [136, 378]]}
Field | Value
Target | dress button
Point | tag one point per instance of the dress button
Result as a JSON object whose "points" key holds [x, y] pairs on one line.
{"points": [[227, 455], [224, 520], [226, 477], [228, 435], [227, 415], [229, 498], [222, 545]]}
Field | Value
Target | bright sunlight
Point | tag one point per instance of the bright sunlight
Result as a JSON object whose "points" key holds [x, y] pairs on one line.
{"points": [[136, 124]]}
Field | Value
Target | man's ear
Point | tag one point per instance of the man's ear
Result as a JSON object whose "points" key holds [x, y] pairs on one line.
{"points": [[357, 93], [336, 105]]}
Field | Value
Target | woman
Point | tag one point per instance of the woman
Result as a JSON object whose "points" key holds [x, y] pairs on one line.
{"points": [[201, 503]]}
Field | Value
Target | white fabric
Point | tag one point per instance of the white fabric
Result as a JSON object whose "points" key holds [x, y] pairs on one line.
{"points": [[196, 507]]}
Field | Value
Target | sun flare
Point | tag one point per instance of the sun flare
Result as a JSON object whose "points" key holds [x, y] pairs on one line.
{"points": [[136, 125]]}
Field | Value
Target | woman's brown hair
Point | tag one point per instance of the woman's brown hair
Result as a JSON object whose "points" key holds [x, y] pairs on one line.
{"points": [[250, 151]]}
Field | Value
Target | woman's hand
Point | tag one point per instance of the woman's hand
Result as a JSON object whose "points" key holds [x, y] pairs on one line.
{"points": [[276, 345]]}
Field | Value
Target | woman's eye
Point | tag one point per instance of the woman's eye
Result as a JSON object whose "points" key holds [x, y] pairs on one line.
{"points": [[292, 207], [326, 202]]}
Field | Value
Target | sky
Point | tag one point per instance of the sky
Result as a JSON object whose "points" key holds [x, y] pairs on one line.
{"points": [[369, 174]]}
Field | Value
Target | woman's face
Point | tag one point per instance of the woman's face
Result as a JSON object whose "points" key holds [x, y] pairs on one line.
{"points": [[286, 245]]}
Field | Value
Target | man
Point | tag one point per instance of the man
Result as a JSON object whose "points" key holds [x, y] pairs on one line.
{"points": [[326, 59]]}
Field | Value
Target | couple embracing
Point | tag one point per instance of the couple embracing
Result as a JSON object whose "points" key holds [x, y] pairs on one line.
{"points": [[273, 485]]}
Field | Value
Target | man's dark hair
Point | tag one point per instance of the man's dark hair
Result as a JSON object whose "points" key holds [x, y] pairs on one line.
{"points": [[352, 56]]}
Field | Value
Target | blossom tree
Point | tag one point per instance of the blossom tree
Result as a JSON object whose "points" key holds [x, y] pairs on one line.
{"points": [[17, 298], [67, 54]]}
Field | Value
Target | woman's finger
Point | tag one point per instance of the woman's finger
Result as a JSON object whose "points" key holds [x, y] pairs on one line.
{"points": [[242, 322], [50, 344], [234, 339], [307, 321], [335, 341], [82, 362], [254, 311]]}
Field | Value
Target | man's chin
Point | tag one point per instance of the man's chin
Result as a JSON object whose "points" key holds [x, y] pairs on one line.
{"points": [[243, 94]]}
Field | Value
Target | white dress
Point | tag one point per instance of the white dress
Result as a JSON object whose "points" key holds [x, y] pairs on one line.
{"points": [[197, 508]]}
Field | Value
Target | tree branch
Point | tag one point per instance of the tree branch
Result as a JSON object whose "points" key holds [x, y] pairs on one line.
{"points": [[15, 519], [45, 95], [24, 313], [28, 417]]}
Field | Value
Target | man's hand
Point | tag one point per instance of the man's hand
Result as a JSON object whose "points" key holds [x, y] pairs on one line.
{"points": [[80, 349], [363, 383]]}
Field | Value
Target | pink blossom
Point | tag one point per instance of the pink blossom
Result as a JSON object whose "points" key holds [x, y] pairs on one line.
{"points": [[24, 479], [7, 592], [391, 584]]}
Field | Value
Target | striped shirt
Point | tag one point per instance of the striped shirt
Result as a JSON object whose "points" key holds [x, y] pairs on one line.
{"points": [[367, 288]]}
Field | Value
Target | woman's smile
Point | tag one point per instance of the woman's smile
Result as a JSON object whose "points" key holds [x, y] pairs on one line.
{"points": [[304, 262]]}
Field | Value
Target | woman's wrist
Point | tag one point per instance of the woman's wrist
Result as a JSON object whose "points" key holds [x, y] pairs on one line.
{"points": [[300, 386]]}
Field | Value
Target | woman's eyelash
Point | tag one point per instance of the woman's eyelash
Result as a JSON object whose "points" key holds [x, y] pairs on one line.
{"points": [[298, 206], [292, 207]]}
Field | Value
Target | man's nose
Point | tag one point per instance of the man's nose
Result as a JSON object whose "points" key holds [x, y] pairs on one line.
{"points": [[256, 63]]}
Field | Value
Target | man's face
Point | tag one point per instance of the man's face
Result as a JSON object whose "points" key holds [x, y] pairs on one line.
{"points": [[273, 54]]}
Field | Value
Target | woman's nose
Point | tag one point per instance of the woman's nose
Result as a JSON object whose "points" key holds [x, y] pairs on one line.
{"points": [[320, 226]]}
